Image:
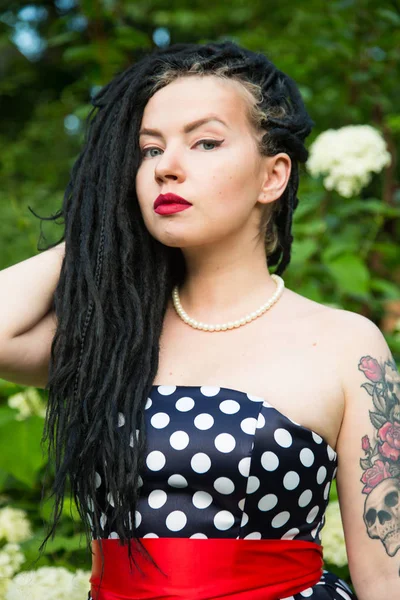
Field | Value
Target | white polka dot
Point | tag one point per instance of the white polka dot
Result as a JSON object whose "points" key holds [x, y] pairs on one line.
{"points": [[103, 520], [245, 519], [184, 404], [113, 536], [288, 598], [254, 535], [225, 442], [317, 438], [199, 536], [160, 420], [289, 535], [150, 535], [255, 398], [241, 503], [305, 498], [269, 461], [176, 520], [244, 466], [209, 390], [179, 440], [314, 531], [268, 502], [321, 474], [291, 480], [157, 498], [312, 514], [307, 593], [306, 457], [166, 390], [280, 519], [326, 490], [202, 499], [140, 481], [342, 584], [148, 403], [224, 485], [200, 462], [97, 480], [90, 503], [110, 499], [283, 437], [331, 453], [138, 519], [121, 419], [155, 460], [229, 407], [253, 483], [334, 473], [177, 481], [260, 421], [204, 421], [224, 520], [343, 594], [249, 425]]}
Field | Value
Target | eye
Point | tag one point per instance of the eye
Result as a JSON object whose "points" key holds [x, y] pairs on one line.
{"points": [[212, 142]]}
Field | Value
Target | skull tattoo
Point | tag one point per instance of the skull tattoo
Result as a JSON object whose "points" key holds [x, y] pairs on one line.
{"points": [[382, 514]]}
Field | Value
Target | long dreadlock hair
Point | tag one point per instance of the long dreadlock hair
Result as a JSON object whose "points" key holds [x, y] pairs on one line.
{"points": [[116, 279]]}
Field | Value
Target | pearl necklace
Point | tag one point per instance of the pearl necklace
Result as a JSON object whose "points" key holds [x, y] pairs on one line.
{"points": [[231, 324]]}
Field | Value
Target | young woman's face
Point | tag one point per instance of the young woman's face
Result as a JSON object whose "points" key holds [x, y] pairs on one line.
{"points": [[215, 166]]}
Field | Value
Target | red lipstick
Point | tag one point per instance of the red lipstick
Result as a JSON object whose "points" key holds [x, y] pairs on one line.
{"points": [[166, 204]]}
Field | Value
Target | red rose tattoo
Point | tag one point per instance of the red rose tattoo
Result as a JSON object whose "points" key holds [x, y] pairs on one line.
{"points": [[365, 443], [374, 475], [389, 434], [371, 368]]}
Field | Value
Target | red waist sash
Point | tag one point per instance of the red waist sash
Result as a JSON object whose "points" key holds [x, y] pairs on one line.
{"points": [[202, 569]]}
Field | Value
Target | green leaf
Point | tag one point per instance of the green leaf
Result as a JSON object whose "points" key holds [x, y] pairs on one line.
{"points": [[377, 420], [390, 290], [20, 452], [351, 274], [379, 402], [369, 387], [365, 463]]}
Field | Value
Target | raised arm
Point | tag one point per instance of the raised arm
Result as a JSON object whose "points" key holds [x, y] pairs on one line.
{"points": [[27, 323]]}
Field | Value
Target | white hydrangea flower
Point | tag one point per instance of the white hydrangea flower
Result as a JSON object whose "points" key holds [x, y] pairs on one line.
{"points": [[348, 157], [51, 583], [332, 536], [28, 403], [11, 559], [14, 525]]}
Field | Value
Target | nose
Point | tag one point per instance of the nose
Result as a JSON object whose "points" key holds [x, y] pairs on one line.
{"points": [[168, 166]]}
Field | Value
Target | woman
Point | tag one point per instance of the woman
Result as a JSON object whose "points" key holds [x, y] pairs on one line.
{"points": [[188, 386]]}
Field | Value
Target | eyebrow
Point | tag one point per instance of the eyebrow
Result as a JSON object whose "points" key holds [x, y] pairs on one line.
{"points": [[187, 128]]}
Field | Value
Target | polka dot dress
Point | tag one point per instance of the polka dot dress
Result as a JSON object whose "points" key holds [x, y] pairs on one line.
{"points": [[221, 463]]}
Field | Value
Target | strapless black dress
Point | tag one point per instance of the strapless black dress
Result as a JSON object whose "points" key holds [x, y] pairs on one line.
{"points": [[222, 463]]}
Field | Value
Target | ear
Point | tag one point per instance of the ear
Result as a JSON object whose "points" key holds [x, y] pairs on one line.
{"points": [[276, 176]]}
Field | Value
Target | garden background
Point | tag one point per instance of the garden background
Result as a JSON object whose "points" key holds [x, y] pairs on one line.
{"points": [[54, 55]]}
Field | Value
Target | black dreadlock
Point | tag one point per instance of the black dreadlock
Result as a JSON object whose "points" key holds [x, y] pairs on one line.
{"points": [[116, 278]]}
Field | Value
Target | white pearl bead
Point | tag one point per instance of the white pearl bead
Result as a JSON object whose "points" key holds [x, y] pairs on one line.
{"points": [[280, 284]]}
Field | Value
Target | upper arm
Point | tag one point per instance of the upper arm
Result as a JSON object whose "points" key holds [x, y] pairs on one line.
{"points": [[25, 358], [368, 448]]}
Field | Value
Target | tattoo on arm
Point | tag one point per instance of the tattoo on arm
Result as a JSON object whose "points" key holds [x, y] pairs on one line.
{"points": [[381, 463]]}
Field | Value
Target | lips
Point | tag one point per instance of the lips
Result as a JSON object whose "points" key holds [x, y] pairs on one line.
{"points": [[170, 199]]}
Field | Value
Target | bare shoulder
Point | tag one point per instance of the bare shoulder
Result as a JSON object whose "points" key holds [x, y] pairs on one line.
{"points": [[344, 323]]}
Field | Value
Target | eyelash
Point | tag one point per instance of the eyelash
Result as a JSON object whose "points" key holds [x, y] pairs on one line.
{"points": [[215, 142]]}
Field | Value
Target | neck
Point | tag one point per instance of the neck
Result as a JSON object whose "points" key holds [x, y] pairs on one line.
{"points": [[225, 286]]}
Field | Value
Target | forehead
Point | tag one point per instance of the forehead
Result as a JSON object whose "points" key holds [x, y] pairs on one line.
{"points": [[189, 98]]}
